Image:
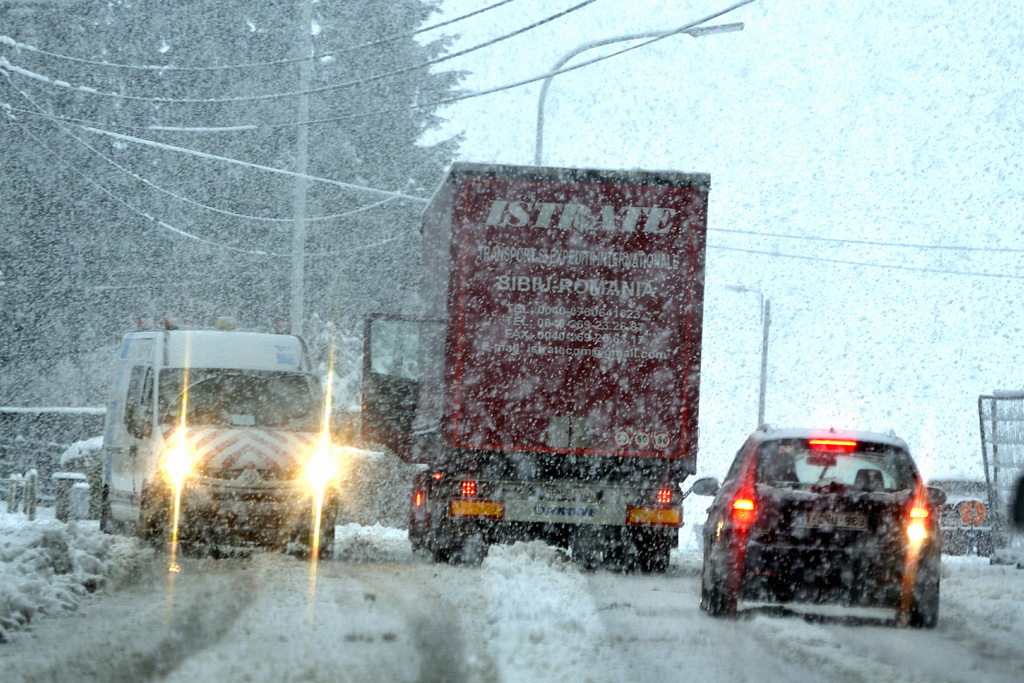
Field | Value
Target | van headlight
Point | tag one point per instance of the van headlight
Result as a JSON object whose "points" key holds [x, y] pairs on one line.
{"points": [[322, 467], [177, 462]]}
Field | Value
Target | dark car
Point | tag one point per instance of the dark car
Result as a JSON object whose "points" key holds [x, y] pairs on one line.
{"points": [[964, 518], [823, 517]]}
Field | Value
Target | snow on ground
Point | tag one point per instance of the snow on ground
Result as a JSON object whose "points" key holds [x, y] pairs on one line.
{"points": [[526, 614], [47, 566], [542, 623]]}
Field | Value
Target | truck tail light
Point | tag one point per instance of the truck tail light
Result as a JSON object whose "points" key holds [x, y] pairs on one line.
{"points": [[743, 510], [664, 496], [468, 488]]}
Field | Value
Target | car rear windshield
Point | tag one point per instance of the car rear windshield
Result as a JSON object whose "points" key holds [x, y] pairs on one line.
{"points": [[870, 467]]}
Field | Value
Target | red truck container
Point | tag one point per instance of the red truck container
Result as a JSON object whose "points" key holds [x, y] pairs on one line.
{"points": [[551, 384]]}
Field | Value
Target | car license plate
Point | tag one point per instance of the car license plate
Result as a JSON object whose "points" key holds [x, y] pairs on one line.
{"points": [[838, 519]]}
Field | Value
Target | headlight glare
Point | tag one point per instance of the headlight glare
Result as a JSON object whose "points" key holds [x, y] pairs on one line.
{"points": [[177, 462]]}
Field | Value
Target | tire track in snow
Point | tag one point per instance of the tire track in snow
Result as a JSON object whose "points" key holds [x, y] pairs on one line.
{"points": [[138, 633]]}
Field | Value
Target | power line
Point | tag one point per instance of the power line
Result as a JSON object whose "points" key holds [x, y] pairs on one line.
{"points": [[915, 269], [259, 167], [5, 40], [153, 219], [414, 107], [389, 196], [842, 240], [5, 64]]}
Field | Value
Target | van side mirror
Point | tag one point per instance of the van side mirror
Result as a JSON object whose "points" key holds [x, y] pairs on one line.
{"points": [[707, 486]]}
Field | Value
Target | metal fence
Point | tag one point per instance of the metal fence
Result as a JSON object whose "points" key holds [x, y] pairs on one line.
{"points": [[22, 493], [1002, 450], [35, 438]]}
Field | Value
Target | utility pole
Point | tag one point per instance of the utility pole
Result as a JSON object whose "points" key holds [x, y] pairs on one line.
{"points": [[298, 277], [766, 314]]}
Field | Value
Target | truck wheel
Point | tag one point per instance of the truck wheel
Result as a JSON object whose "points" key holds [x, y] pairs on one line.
{"points": [[655, 561]]}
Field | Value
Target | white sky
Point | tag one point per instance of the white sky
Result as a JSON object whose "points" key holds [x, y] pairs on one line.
{"points": [[892, 122]]}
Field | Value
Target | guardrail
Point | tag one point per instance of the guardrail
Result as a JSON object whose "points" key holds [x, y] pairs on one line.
{"points": [[23, 492]]}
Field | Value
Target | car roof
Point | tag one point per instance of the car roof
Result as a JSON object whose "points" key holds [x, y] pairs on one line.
{"points": [[766, 434]]}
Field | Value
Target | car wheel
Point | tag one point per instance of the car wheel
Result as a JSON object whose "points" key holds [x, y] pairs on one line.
{"points": [[924, 610], [716, 599]]}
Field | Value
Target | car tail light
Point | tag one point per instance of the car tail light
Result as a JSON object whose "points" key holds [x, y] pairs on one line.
{"points": [[917, 529], [664, 497], [468, 488], [743, 510], [833, 445], [418, 499], [437, 476]]}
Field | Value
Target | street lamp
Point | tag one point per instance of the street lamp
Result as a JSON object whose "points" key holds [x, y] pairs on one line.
{"points": [[695, 32], [766, 321]]}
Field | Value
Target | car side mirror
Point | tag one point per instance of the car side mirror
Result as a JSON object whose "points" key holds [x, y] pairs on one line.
{"points": [[1017, 513], [936, 496], [707, 486]]}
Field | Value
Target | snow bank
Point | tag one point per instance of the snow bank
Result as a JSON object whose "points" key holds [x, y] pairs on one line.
{"points": [[542, 623], [47, 566], [356, 543]]}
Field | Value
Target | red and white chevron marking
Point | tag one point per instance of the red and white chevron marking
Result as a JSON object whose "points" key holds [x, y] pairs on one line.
{"points": [[230, 449]]}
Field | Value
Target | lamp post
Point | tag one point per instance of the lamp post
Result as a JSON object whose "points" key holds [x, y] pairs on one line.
{"points": [[766, 321], [695, 32]]}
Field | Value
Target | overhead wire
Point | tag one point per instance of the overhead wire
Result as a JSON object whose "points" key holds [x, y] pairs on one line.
{"points": [[5, 64], [408, 108], [390, 196], [134, 209], [5, 40], [875, 243], [386, 200], [917, 269]]}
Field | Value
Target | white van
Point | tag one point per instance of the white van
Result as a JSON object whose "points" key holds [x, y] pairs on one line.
{"points": [[252, 426]]}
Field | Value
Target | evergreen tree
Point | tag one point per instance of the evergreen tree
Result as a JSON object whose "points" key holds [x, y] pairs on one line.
{"points": [[80, 265]]}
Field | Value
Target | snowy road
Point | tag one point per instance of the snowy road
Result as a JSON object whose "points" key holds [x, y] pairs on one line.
{"points": [[376, 612]]}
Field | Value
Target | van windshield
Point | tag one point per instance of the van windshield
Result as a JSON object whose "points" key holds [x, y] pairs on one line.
{"points": [[231, 398]]}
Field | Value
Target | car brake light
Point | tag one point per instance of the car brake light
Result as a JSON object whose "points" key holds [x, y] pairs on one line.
{"points": [[833, 445], [437, 476], [468, 488], [664, 497], [418, 501], [916, 529], [743, 510]]}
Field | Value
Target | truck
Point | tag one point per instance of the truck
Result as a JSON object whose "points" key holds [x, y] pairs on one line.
{"points": [[236, 417], [548, 384]]}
